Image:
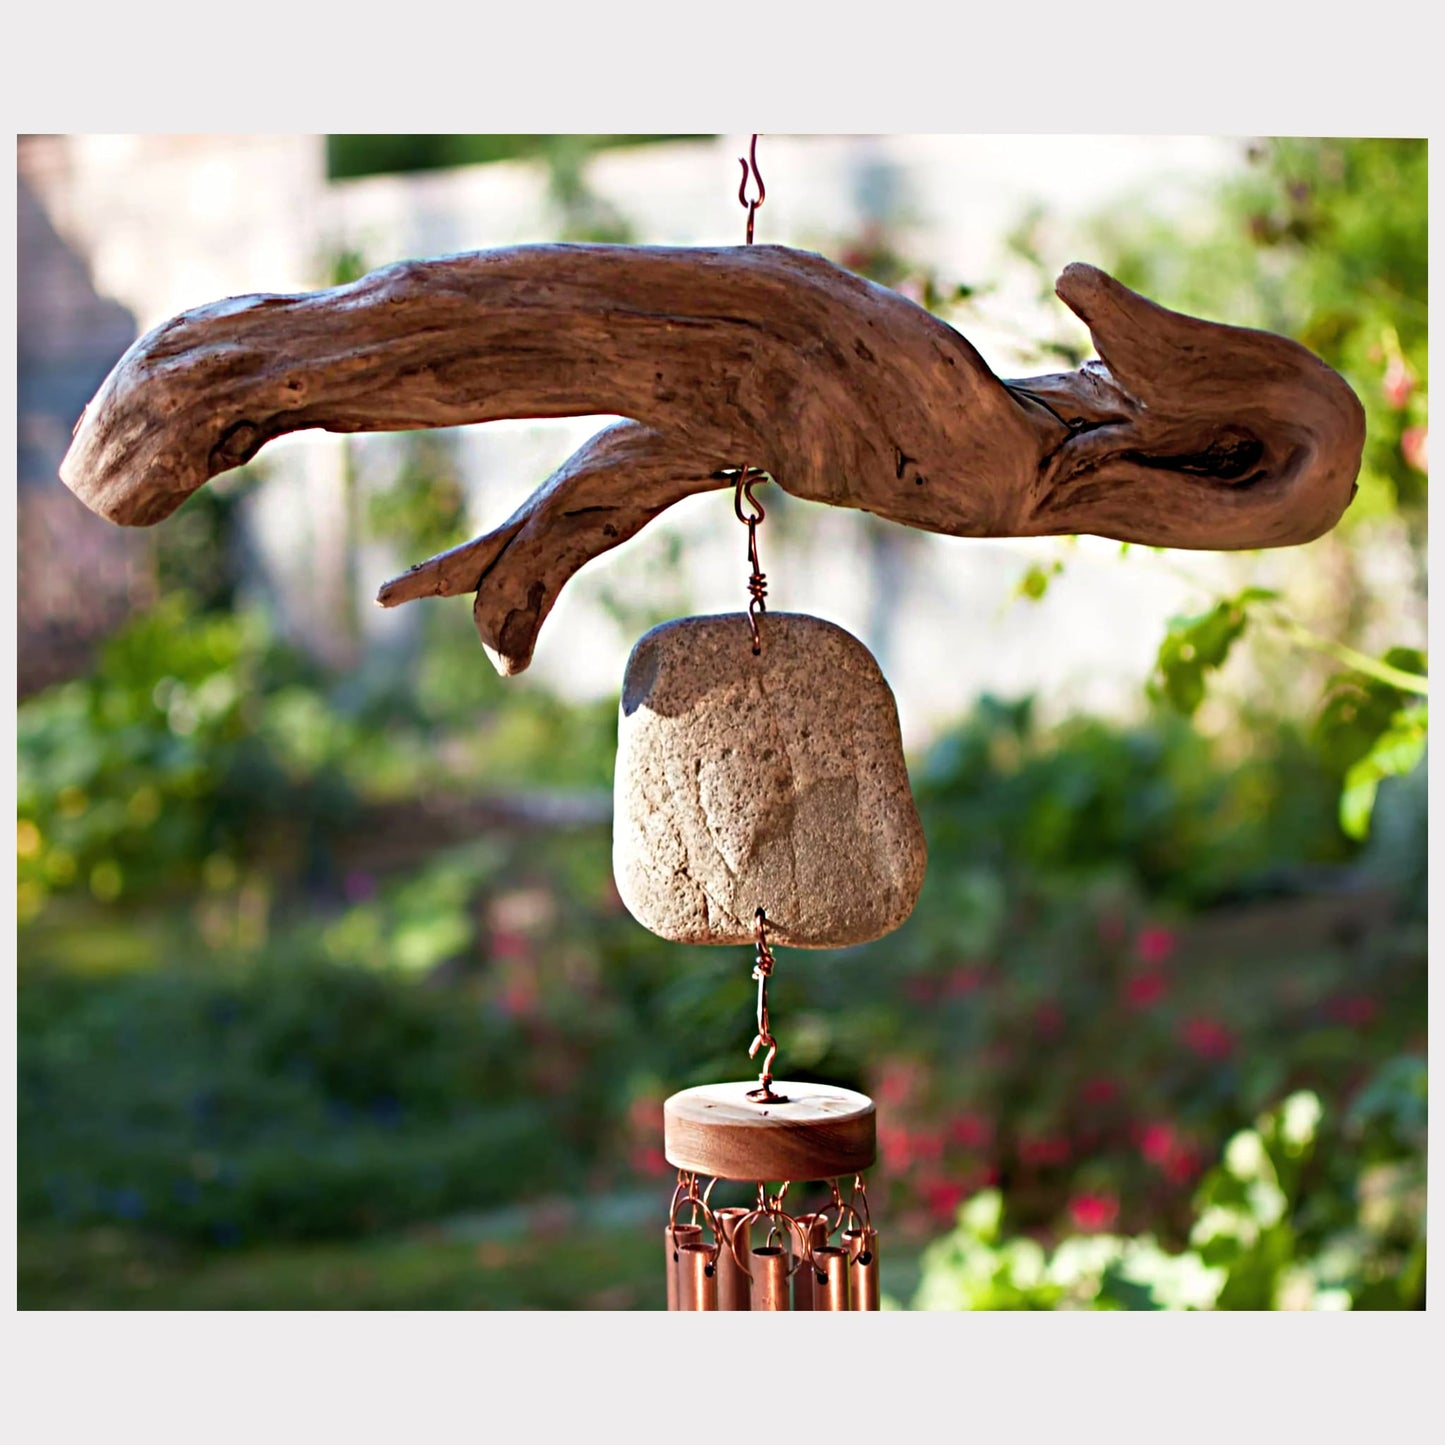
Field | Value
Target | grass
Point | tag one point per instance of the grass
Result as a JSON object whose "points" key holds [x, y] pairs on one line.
{"points": [[425, 1269], [110, 1269]]}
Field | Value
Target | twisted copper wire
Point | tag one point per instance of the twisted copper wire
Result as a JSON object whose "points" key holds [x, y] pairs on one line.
{"points": [[747, 479], [762, 971]]}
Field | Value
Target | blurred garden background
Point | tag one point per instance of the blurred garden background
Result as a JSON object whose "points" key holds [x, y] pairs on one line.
{"points": [[325, 996]]}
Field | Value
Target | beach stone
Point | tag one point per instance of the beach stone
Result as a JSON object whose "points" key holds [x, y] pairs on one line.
{"points": [[775, 781]]}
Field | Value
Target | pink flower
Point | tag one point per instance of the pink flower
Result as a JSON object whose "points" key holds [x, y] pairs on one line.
{"points": [[1415, 447], [1207, 1037], [1144, 990], [1092, 1212], [1398, 383], [1154, 945]]}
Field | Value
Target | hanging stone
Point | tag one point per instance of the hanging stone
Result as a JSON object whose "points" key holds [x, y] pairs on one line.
{"points": [[774, 782]]}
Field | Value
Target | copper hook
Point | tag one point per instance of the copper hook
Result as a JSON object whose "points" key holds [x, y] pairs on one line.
{"points": [[751, 164], [748, 478]]}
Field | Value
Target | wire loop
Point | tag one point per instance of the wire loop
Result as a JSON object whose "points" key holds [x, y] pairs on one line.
{"points": [[750, 167]]}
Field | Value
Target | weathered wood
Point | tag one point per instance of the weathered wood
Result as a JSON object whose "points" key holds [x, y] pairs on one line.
{"points": [[820, 1132], [1185, 434]]}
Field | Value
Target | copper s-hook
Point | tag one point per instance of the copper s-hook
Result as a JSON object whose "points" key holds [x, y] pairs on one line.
{"points": [[750, 165]]}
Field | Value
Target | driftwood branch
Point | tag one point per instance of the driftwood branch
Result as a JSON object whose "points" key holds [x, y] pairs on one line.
{"points": [[1184, 434]]}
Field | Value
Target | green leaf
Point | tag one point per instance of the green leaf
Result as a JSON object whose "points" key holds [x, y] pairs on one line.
{"points": [[1395, 752], [1035, 582], [1194, 646]]}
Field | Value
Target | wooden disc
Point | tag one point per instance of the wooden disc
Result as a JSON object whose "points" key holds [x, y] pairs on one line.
{"points": [[821, 1132]]}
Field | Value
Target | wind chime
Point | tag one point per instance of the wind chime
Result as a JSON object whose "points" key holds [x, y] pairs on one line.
{"points": [[761, 790], [761, 793]]}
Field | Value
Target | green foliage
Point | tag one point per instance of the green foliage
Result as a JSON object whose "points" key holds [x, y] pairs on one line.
{"points": [[422, 510], [1300, 1213], [1322, 240], [108, 1268], [294, 1100], [1150, 802], [1034, 584], [349, 156], [197, 739], [1371, 729], [1195, 646]]}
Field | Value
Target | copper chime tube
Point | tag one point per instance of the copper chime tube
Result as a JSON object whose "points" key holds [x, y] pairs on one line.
{"points": [[770, 1278], [686, 1234], [696, 1277], [861, 1246], [830, 1278], [733, 1289], [814, 1229]]}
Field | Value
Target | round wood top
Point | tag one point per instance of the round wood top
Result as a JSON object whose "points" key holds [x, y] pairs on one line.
{"points": [[821, 1132]]}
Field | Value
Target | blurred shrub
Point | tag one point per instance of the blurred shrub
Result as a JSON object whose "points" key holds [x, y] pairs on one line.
{"points": [[197, 740], [1303, 1211], [296, 1099]]}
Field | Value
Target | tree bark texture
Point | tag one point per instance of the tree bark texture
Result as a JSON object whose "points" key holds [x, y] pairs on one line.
{"points": [[1185, 433]]}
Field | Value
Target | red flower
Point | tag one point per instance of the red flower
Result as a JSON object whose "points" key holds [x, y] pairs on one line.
{"points": [[518, 999], [1044, 1152], [1354, 1009], [1144, 990], [893, 1147], [648, 1159], [963, 981], [506, 943], [970, 1131], [1093, 1212], [927, 1144], [1182, 1165], [1207, 1037], [1156, 1143], [646, 1114], [897, 1081], [1154, 945], [1100, 1090], [943, 1196]]}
